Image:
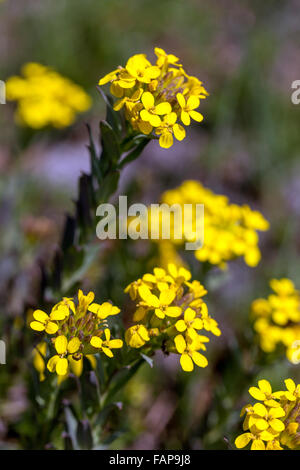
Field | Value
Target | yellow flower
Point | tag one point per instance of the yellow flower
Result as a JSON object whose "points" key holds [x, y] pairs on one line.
{"points": [[263, 393], [76, 325], [107, 344], [188, 109], [39, 355], [161, 303], [257, 440], [168, 302], [190, 323], [272, 425], [150, 91], [136, 336], [277, 319], [152, 112], [59, 362], [104, 310], [45, 98], [141, 69], [189, 352], [167, 128], [44, 322], [230, 230]]}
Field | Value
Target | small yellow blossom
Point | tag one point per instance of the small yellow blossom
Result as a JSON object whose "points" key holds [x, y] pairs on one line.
{"points": [[230, 230], [136, 336], [170, 313], [271, 425], [156, 96], [45, 98], [80, 330], [277, 319], [107, 344]]}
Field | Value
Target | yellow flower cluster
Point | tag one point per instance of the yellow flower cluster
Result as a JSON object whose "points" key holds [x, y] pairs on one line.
{"points": [[274, 420], [45, 98], [277, 319], [79, 330], [170, 313], [156, 98], [230, 230]]}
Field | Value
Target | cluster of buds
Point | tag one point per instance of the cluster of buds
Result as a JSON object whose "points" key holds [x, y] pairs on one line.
{"points": [[170, 314], [231, 230], [76, 331], [156, 98], [277, 319], [273, 422]]}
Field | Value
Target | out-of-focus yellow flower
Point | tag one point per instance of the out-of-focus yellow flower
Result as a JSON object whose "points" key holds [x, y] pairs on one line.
{"points": [[273, 424], [45, 98], [230, 230], [80, 330], [39, 355], [170, 313], [156, 96], [277, 319]]}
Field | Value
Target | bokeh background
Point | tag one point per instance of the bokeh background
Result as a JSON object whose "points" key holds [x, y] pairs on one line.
{"points": [[248, 147]]}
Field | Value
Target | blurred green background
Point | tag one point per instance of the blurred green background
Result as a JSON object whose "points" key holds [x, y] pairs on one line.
{"points": [[248, 147]]}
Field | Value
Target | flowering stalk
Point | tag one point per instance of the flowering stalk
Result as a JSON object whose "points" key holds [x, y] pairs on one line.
{"points": [[273, 422]]}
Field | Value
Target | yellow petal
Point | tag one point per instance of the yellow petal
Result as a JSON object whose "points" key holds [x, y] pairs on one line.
{"points": [[166, 297], [159, 313], [290, 385], [37, 326], [199, 359], [147, 100], [163, 108], [51, 328], [96, 342], [242, 440], [51, 364], [143, 332], [107, 352], [154, 120], [173, 312], [166, 140], [74, 345], [76, 366], [277, 425], [116, 343], [181, 100], [256, 393], [180, 325], [186, 363], [41, 316], [62, 366], [258, 444], [196, 116], [180, 343], [260, 409], [189, 314], [193, 102], [185, 117], [179, 132], [60, 344], [265, 386]]}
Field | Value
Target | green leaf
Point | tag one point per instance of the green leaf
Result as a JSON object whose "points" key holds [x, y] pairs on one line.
{"points": [[121, 379], [112, 117], [135, 153], [111, 152]]}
